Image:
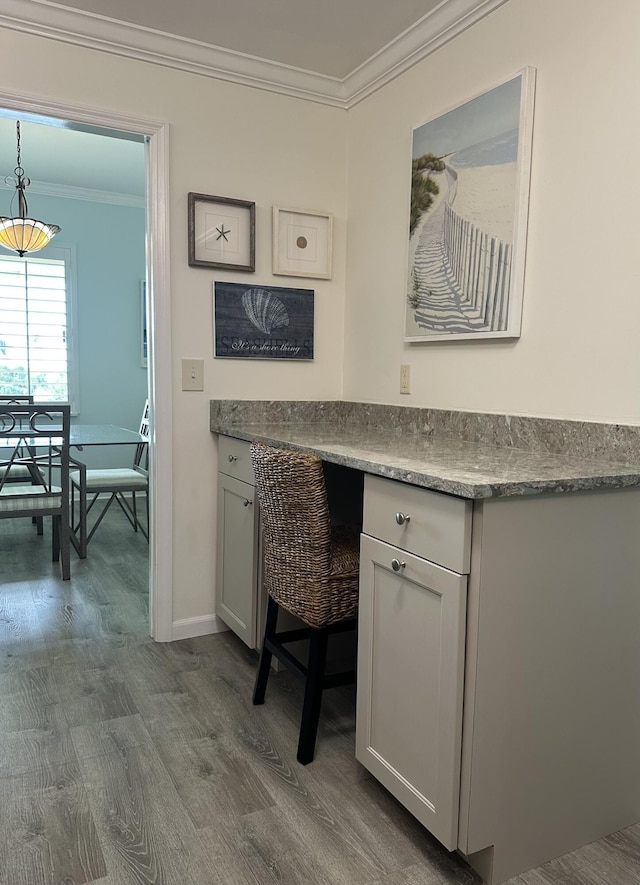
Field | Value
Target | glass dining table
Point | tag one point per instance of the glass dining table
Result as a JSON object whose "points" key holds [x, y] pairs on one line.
{"points": [[82, 435]]}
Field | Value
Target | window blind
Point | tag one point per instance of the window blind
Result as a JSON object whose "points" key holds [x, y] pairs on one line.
{"points": [[34, 334]]}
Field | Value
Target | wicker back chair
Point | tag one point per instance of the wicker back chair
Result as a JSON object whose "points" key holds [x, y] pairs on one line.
{"points": [[310, 569]]}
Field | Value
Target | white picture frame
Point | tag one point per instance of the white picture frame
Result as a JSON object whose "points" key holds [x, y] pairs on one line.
{"points": [[302, 243], [470, 171]]}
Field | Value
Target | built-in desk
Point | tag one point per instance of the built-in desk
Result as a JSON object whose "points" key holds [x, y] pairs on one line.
{"points": [[499, 652]]}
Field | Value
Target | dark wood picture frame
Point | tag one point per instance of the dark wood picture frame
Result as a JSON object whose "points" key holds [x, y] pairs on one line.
{"points": [[222, 232]]}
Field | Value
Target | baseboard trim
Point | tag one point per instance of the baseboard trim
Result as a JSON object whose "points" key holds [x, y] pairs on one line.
{"points": [[187, 628]]}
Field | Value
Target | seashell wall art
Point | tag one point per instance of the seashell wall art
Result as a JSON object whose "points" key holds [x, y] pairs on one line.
{"points": [[260, 322], [265, 310]]}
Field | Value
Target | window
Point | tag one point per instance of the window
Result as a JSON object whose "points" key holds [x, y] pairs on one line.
{"points": [[36, 353]]}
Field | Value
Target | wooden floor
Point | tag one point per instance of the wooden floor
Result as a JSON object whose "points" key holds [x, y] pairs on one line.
{"points": [[126, 761]]}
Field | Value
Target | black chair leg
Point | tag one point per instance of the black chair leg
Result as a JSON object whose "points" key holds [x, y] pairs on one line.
{"points": [[55, 538], [135, 514], [265, 655], [312, 695]]}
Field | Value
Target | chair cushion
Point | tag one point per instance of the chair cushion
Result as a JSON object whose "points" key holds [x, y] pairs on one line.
{"points": [[345, 552], [112, 479], [330, 598], [17, 473], [28, 498]]}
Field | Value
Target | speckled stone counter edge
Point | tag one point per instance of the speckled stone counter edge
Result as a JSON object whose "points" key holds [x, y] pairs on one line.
{"points": [[584, 439]]}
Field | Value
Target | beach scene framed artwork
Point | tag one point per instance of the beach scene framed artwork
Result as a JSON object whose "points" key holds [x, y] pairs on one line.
{"points": [[470, 169]]}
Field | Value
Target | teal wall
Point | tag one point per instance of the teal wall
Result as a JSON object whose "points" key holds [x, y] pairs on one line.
{"points": [[109, 243]]}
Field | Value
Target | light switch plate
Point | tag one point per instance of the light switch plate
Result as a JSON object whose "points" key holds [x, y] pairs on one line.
{"points": [[405, 379], [192, 374]]}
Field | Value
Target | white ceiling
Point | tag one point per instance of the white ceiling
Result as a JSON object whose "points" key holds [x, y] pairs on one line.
{"points": [[331, 37], [334, 52]]}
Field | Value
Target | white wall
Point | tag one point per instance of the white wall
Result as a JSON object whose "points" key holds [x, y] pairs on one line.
{"points": [[224, 140], [578, 356]]}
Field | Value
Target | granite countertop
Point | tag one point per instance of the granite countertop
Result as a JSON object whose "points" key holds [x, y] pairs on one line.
{"points": [[455, 466]]}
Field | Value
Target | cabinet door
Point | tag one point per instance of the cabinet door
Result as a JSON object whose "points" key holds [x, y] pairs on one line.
{"points": [[410, 681], [237, 556]]}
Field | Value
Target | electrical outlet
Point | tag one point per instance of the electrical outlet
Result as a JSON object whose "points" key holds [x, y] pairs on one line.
{"points": [[193, 374], [405, 379]]}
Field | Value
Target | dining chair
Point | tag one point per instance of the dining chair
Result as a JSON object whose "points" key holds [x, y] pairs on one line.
{"points": [[36, 438], [88, 485], [310, 569], [18, 472]]}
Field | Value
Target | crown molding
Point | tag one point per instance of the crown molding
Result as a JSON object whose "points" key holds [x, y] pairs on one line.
{"points": [[448, 20], [57, 22], [90, 195]]}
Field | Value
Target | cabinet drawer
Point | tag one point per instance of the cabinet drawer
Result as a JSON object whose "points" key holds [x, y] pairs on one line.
{"points": [[234, 458], [438, 527]]}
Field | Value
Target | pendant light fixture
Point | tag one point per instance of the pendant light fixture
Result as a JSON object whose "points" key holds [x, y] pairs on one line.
{"points": [[24, 234]]}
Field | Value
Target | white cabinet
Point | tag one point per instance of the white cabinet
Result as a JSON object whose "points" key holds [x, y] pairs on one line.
{"points": [[411, 650], [498, 662], [551, 723], [410, 668], [498, 657], [237, 583]]}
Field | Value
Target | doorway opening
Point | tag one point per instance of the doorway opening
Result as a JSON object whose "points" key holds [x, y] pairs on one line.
{"points": [[154, 136]]}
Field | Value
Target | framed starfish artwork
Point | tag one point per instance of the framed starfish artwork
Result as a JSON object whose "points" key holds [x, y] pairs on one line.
{"points": [[222, 232]]}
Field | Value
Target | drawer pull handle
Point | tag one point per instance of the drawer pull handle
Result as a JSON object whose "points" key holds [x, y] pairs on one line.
{"points": [[401, 518], [246, 502], [231, 458], [396, 564]]}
